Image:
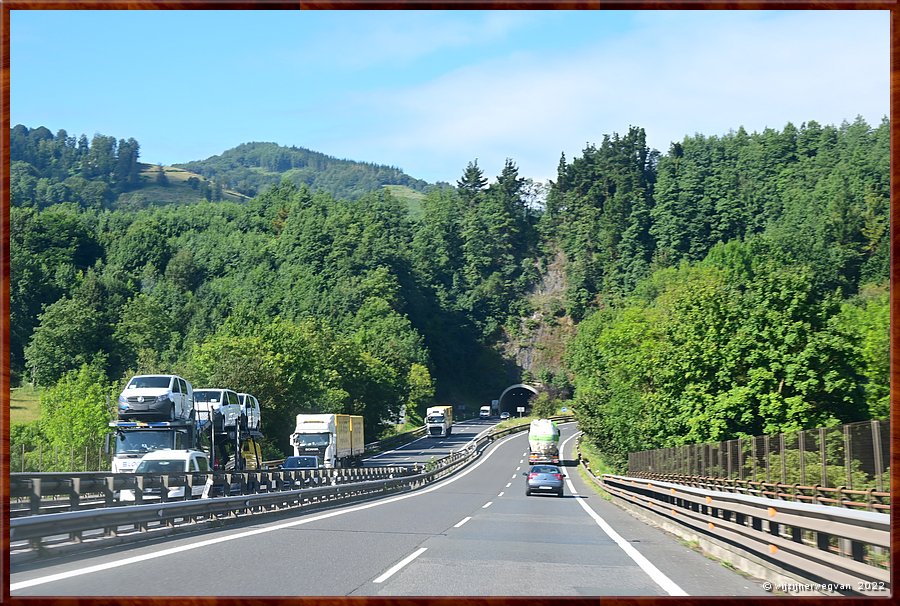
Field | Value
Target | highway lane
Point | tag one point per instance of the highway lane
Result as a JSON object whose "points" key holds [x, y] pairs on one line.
{"points": [[423, 449], [473, 534]]}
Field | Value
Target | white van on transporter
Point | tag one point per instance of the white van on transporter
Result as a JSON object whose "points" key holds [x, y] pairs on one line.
{"points": [[156, 398]]}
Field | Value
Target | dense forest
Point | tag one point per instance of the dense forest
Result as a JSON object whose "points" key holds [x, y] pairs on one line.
{"points": [[735, 285]]}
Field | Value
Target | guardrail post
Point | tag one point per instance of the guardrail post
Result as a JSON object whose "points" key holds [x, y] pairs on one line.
{"points": [[109, 491], [848, 460], [34, 499], [823, 457], [858, 551], [876, 451], [822, 541], [74, 493], [74, 499]]}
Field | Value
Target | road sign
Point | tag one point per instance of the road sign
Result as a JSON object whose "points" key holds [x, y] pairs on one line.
{"points": [[564, 409], [520, 409]]}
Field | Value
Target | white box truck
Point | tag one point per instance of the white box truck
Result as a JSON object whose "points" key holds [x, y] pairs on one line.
{"points": [[485, 412], [438, 421], [335, 439]]}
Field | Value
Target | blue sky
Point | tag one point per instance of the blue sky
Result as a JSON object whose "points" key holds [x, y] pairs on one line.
{"points": [[429, 91]]}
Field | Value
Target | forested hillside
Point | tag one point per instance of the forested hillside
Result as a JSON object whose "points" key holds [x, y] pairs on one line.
{"points": [[251, 167], [735, 285]]}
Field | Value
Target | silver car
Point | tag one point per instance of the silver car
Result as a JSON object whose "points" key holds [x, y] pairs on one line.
{"points": [[544, 479]]}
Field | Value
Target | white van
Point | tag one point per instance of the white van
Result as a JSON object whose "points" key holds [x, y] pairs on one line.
{"points": [[170, 462], [156, 397], [218, 405], [250, 409]]}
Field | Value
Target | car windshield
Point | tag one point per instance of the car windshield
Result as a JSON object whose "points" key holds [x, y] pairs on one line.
{"points": [[311, 439], [300, 463], [161, 466], [544, 469], [143, 441], [435, 419], [143, 382], [212, 397]]}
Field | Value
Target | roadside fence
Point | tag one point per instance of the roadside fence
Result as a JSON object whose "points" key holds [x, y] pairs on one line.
{"points": [[852, 457], [46, 458]]}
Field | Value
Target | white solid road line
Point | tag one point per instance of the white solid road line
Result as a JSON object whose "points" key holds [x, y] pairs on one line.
{"points": [[256, 531], [658, 577], [400, 565], [667, 584], [463, 521]]}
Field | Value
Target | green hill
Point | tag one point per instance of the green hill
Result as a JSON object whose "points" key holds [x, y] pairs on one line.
{"points": [[180, 187], [251, 167]]}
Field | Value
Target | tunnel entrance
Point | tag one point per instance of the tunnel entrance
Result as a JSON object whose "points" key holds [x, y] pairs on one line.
{"points": [[515, 396]]}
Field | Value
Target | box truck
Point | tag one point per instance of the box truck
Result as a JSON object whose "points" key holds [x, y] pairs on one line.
{"points": [[438, 421], [335, 440]]}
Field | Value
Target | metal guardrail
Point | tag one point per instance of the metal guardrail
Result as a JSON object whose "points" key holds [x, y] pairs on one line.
{"points": [[43, 493], [842, 549], [275, 493], [871, 499]]}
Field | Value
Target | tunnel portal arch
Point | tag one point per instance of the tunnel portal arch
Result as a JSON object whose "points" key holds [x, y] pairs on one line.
{"points": [[517, 395]]}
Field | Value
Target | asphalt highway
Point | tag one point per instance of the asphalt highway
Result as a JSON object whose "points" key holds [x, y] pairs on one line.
{"points": [[473, 534]]}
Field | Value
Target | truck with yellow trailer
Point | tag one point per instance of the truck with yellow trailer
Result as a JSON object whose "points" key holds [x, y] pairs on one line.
{"points": [[336, 440]]}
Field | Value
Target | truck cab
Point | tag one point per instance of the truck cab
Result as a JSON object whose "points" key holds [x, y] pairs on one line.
{"points": [[484, 412], [438, 421], [133, 439]]}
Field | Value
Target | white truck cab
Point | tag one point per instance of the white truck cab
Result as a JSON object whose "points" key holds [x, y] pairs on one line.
{"points": [[170, 462]]}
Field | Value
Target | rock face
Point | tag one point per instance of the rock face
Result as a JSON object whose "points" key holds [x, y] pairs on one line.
{"points": [[540, 341]]}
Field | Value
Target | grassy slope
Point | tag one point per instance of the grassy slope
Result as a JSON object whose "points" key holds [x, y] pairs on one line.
{"points": [[177, 192], [411, 197], [24, 405]]}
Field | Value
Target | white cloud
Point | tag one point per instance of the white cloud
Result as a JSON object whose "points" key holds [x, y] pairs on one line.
{"points": [[674, 75], [411, 35]]}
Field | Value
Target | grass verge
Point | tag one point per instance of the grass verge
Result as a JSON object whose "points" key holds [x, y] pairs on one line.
{"points": [[24, 404]]}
